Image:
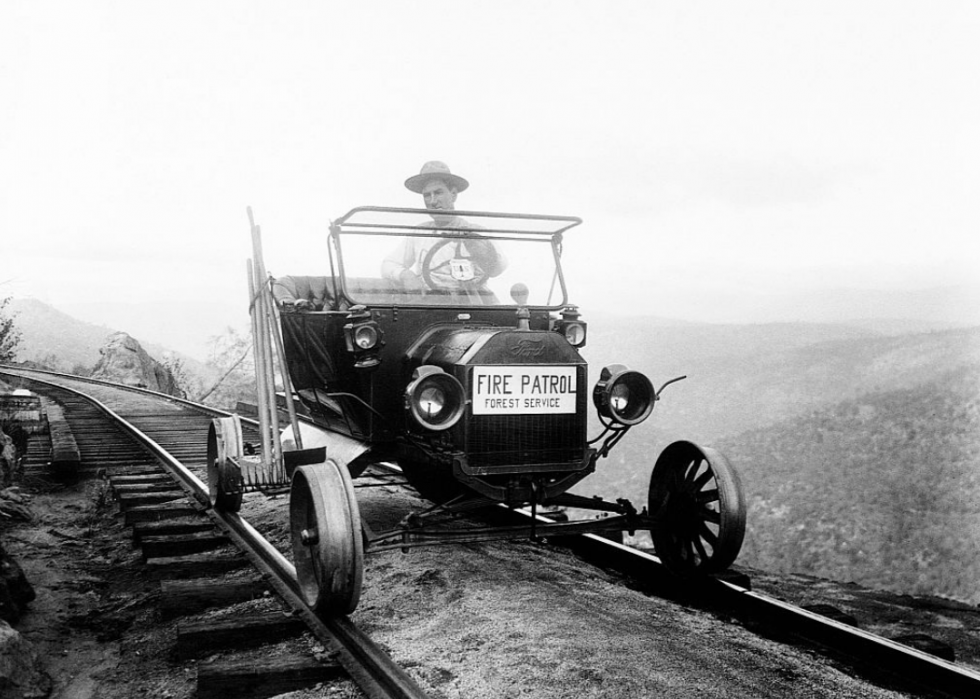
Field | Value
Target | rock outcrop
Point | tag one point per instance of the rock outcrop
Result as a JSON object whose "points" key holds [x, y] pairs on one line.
{"points": [[125, 361], [22, 674], [15, 591]]}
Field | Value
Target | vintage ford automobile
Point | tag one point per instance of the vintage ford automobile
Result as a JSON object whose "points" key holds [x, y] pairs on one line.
{"points": [[449, 347]]}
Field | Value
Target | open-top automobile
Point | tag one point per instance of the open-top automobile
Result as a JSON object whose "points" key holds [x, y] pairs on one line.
{"points": [[450, 348]]}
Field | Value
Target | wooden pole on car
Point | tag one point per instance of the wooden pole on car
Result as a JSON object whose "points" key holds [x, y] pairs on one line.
{"points": [[287, 384], [260, 374], [264, 314]]}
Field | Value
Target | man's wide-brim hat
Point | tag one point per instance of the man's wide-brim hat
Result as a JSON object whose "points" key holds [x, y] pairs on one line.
{"points": [[435, 170]]}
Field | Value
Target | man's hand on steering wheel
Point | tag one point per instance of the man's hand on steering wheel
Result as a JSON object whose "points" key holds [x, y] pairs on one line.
{"points": [[410, 281]]}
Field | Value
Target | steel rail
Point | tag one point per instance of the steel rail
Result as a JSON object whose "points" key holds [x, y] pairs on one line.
{"points": [[200, 407], [377, 675], [19, 371], [913, 666]]}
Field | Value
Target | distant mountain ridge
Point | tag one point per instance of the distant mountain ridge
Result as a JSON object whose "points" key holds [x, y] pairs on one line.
{"points": [[822, 298], [46, 331], [182, 326], [50, 333], [742, 377], [955, 304], [739, 376]]}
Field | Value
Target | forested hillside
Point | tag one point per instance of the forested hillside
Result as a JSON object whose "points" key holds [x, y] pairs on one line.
{"points": [[744, 378], [859, 452], [883, 490]]}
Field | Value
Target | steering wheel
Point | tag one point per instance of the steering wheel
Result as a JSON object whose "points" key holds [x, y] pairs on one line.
{"points": [[481, 275]]}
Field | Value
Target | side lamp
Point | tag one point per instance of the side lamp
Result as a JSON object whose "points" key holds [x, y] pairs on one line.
{"points": [[364, 338], [571, 327]]}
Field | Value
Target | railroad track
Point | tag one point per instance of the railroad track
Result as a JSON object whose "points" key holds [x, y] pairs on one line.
{"points": [[867, 653], [152, 449]]}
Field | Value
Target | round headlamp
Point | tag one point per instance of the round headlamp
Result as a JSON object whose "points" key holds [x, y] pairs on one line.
{"points": [[619, 397], [623, 396], [434, 399], [432, 402]]}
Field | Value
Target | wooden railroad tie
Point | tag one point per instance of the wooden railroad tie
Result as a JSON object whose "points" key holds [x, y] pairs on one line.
{"points": [[195, 566], [160, 511], [198, 638], [180, 597], [173, 545], [268, 677]]}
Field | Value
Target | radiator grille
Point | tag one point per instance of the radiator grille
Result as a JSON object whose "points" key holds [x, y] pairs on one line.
{"points": [[496, 440]]}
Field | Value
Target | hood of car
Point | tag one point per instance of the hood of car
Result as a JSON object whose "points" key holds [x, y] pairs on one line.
{"points": [[450, 345]]}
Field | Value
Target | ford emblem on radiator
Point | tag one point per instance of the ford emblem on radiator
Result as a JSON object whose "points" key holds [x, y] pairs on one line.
{"points": [[527, 348]]}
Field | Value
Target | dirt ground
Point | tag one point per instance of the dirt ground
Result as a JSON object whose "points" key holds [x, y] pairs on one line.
{"points": [[507, 619], [89, 584]]}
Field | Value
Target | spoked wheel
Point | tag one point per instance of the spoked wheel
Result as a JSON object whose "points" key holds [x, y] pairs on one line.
{"points": [[225, 448], [697, 496], [326, 533]]}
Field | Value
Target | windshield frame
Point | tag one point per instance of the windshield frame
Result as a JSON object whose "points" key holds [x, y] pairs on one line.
{"points": [[496, 226]]}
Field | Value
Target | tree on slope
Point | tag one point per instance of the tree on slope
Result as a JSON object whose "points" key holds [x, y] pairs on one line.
{"points": [[9, 334], [236, 375]]}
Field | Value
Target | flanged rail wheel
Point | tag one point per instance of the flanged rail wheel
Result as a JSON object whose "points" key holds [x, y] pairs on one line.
{"points": [[697, 496], [328, 550], [225, 447]]}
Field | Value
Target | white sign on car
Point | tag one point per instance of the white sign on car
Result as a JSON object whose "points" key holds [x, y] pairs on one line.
{"points": [[523, 390]]}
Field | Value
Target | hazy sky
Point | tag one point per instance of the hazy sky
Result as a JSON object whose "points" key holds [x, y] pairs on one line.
{"points": [[718, 151]]}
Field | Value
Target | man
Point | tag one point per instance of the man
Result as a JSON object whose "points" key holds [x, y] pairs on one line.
{"points": [[456, 266]]}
